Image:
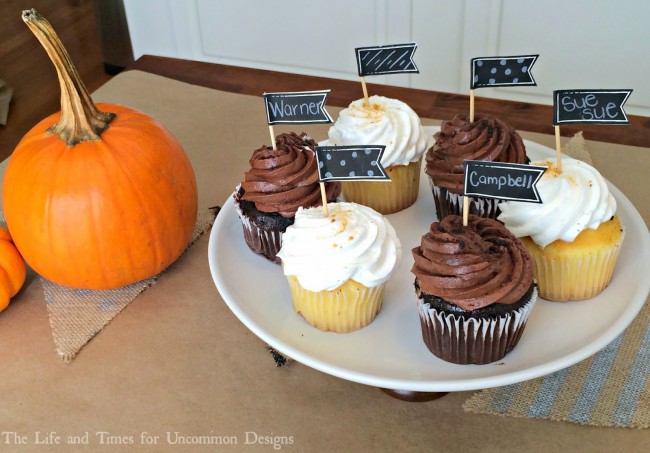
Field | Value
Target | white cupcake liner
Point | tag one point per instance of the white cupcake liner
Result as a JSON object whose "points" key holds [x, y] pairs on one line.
{"points": [[576, 276], [345, 309], [449, 203], [263, 242], [387, 197], [473, 340]]}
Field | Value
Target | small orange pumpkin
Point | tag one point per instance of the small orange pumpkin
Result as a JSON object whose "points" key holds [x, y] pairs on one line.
{"points": [[93, 199], [12, 269]]}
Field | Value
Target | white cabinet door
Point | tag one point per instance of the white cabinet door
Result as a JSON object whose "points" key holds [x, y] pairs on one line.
{"points": [[582, 43]]}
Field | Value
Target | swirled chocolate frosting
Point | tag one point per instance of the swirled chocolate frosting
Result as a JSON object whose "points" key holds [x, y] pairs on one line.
{"points": [[283, 179], [472, 266], [487, 138]]}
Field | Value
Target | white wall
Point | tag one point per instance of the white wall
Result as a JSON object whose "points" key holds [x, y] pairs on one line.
{"points": [[582, 43]]}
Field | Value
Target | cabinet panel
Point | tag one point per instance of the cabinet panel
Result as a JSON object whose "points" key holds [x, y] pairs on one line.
{"points": [[582, 44], [438, 30], [305, 37], [151, 28]]}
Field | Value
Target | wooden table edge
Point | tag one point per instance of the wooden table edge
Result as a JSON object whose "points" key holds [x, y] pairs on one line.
{"points": [[428, 104]]}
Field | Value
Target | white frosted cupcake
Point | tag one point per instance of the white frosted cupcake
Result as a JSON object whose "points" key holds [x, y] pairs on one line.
{"points": [[392, 123], [574, 236], [338, 265]]}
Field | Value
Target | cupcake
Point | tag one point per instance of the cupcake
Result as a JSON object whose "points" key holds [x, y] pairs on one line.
{"points": [[574, 235], [487, 138], [337, 265], [475, 289], [277, 184], [392, 123]]}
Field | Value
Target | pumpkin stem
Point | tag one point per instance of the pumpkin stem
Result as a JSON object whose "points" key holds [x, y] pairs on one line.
{"points": [[80, 119]]}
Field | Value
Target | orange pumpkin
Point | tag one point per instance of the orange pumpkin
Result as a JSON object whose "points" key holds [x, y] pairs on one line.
{"points": [[93, 199], [12, 269]]}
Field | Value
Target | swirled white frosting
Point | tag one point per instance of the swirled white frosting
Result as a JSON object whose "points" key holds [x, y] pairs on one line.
{"points": [[381, 121], [572, 201], [352, 242]]}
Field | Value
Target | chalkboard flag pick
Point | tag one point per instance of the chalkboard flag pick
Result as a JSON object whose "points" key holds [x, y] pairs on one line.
{"points": [[346, 163], [391, 59], [587, 106], [298, 107], [502, 181], [490, 72]]}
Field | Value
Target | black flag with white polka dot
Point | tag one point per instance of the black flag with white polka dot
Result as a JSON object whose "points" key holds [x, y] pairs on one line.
{"points": [[502, 71], [361, 163]]}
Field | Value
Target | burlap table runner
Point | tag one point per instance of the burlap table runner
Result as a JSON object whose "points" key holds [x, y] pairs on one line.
{"points": [[76, 315], [611, 388]]}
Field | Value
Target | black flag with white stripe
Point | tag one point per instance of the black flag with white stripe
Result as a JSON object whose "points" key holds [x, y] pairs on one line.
{"points": [[390, 59]]}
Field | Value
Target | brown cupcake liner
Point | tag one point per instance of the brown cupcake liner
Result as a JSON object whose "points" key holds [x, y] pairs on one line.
{"points": [[387, 197], [474, 340], [262, 241], [449, 203]]}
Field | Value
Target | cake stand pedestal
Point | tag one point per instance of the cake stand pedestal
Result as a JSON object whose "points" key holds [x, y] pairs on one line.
{"points": [[413, 397]]}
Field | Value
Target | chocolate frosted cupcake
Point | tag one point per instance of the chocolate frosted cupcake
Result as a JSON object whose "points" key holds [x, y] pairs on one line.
{"points": [[278, 183], [475, 289], [487, 138]]}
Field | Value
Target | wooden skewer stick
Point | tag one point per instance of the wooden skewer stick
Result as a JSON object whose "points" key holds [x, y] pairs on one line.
{"points": [[323, 194], [558, 149], [471, 106], [364, 88], [466, 198], [272, 137]]}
